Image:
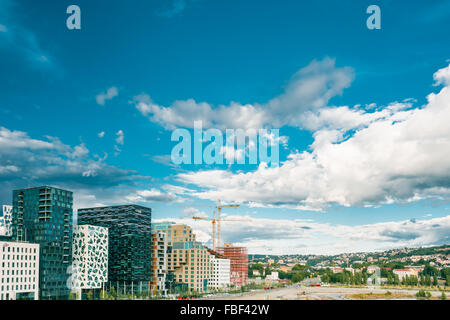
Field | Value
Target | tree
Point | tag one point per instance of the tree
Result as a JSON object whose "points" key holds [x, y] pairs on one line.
{"points": [[443, 296]]}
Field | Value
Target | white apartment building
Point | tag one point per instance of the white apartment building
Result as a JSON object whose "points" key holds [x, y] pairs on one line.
{"points": [[220, 277], [401, 273], [19, 270], [273, 276]]}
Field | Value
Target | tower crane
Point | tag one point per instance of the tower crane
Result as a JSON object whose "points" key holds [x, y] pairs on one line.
{"points": [[216, 219]]}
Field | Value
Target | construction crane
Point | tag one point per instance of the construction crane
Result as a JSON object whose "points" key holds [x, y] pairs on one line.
{"points": [[215, 242], [216, 219], [219, 211]]}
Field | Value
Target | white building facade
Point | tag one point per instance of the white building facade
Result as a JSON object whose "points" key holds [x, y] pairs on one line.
{"points": [[19, 270], [402, 273], [90, 258], [220, 276], [5, 221]]}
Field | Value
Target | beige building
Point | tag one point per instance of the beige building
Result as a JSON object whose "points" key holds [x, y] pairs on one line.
{"points": [[179, 233], [187, 259], [401, 273], [192, 264]]}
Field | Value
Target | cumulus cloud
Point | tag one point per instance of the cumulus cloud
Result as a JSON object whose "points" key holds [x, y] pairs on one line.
{"points": [[119, 137], [28, 162], [101, 98], [301, 236], [358, 157], [310, 88], [152, 195], [101, 134]]}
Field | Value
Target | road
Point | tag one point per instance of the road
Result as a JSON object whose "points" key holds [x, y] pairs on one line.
{"points": [[315, 293]]}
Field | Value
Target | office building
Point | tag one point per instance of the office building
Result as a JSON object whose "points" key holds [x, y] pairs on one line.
{"points": [[90, 260], [44, 215], [238, 263], [129, 257], [19, 271]]}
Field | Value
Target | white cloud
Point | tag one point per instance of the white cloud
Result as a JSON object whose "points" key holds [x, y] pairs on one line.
{"points": [[80, 151], [101, 98], [282, 236], [29, 162], [101, 134], [310, 88], [191, 212], [442, 77], [152, 195], [119, 138], [396, 154]]}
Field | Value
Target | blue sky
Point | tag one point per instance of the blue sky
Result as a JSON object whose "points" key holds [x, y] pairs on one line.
{"points": [[153, 60]]}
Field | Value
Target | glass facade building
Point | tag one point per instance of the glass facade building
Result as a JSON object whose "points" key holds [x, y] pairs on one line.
{"points": [[44, 215], [129, 257]]}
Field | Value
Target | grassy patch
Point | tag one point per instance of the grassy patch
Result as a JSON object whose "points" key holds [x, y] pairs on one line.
{"points": [[374, 296]]}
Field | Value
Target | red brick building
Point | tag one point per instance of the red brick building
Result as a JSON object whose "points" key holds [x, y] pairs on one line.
{"points": [[238, 263]]}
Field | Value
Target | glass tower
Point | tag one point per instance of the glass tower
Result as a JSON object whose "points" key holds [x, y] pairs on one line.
{"points": [[129, 257], [44, 215]]}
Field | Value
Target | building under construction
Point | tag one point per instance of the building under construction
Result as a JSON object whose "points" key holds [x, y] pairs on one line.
{"points": [[238, 263]]}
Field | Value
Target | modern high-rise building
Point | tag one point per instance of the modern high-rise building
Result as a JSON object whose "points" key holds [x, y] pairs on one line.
{"points": [[159, 263], [5, 221], [129, 257], [238, 263], [90, 260], [44, 215], [19, 271]]}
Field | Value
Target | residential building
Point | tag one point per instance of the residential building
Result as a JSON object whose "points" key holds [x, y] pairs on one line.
{"points": [[337, 269], [129, 246], [159, 263], [191, 263], [19, 270], [238, 263], [44, 215], [5, 221], [401, 273], [272, 277], [220, 275], [90, 260], [175, 232]]}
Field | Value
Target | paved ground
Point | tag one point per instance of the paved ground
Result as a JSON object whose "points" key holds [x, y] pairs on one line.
{"points": [[312, 293]]}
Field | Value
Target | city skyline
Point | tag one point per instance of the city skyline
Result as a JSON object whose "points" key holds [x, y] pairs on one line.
{"points": [[362, 114]]}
